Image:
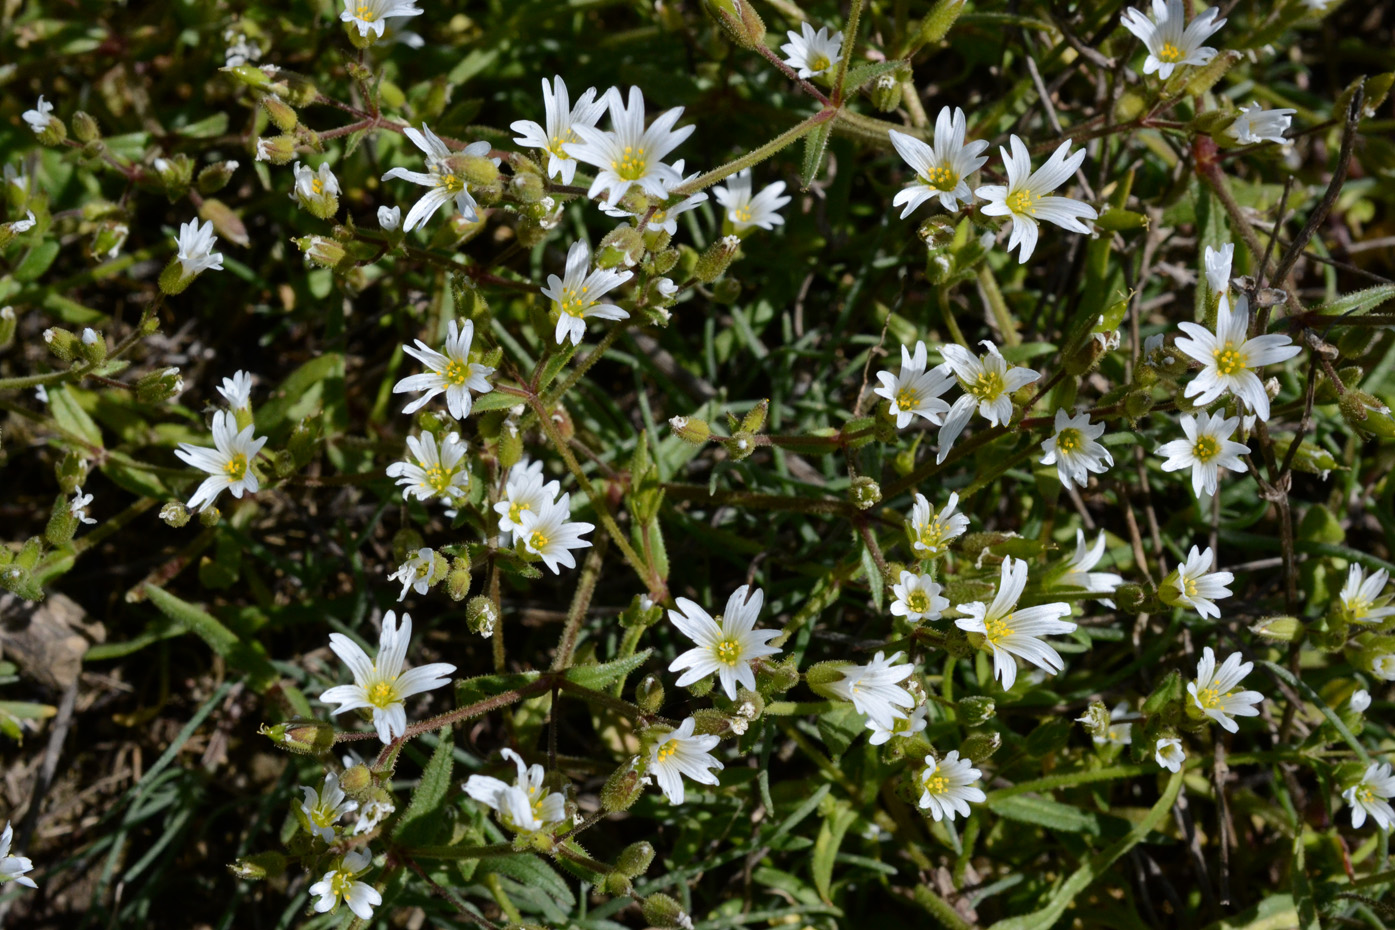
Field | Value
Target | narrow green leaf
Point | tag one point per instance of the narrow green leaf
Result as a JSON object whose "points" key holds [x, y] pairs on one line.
{"points": [[1045, 813], [1358, 301], [37, 261], [495, 400], [599, 676], [532, 872], [862, 75], [826, 849], [876, 584], [261, 674], [71, 416], [1302, 888], [422, 819], [814, 144]]}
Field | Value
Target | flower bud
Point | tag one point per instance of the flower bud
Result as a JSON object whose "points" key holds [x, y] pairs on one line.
{"points": [[865, 492], [357, 782], [61, 342], [1366, 414], [215, 177], [209, 516], [738, 20], [175, 514], [321, 251], [108, 240], [623, 245], [55, 133], [663, 911], [85, 128], [8, 323], [975, 710], [481, 615], [306, 737], [1279, 629], [634, 859], [1095, 720], [282, 114], [458, 578], [690, 429], [1131, 598], [979, 747], [741, 444], [527, 188], [159, 386], [777, 677], [937, 22], [92, 346], [264, 78], [62, 523], [886, 92], [176, 173], [618, 886], [259, 866], [71, 472], [649, 694], [278, 150], [718, 257], [621, 789]]}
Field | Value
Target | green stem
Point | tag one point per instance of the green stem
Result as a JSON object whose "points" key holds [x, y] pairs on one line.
{"points": [[585, 588], [624, 708], [584, 365], [947, 312], [463, 852], [469, 711], [849, 42], [786, 138], [1001, 315]]}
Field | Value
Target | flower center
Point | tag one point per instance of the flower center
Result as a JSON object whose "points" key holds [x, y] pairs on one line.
{"points": [[574, 301], [728, 651], [1206, 448], [936, 783], [907, 399], [997, 628], [382, 694], [1023, 201], [918, 601], [1209, 698], [666, 751], [538, 541], [1170, 54], [1229, 360], [1365, 795], [342, 879], [940, 178], [516, 512], [446, 178], [236, 469], [456, 372], [438, 479], [632, 165], [741, 214], [932, 537], [987, 386], [556, 143], [317, 185], [1068, 440], [819, 62]]}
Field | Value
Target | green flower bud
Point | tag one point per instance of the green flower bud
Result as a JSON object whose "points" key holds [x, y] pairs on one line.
{"points": [[55, 133], [527, 188], [690, 429], [279, 150], [886, 92], [175, 514], [1131, 598], [159, 386], [822, 674], [259, 866], [306, 737], [718, 257], [61, 523], [634, 859], [623, 245], [321, 251], [458, 578], [777, 677], [304, 439], [481, 615], [176, 173], [85, 128], [283, 463], [92, 346], [215, 177], [283, 115], [108, 240], [979, 747], [738, 20], [209, 516], [71, 472], [649, 694], [1095, 720], [741, 445], [663, 911], [61, 343], [975, 710], [618, 886], [1279, 629], [1366, 414], [621, 789], [937, 22], [510, 448], [865, 492]]}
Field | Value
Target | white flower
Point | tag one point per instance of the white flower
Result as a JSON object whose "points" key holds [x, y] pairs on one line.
{"points": [[667, 288], [240, 49], [39, 118], [442, 176], [452, 373], [316, 189], [1362, 597], [988, 385], [389, 218], [1074, 450], [948, 786], [941, 170], [900, 726], [873, 688], [524, 805], [524, 490], [745, 211], [1194, 585], [1256, 124], [1169, 754], [1168, 43], [1011, 632], [1218, 262], [630, 154], [560, 120], [417, 572], [931, 531], [1078, 574], [549, 534], [1317, 6], [665, 215], [811, 52], [725, 645], [1213, 692], [324, 808], [678, 753], [237, 391], [435, 471], [1360, 700], [1206, 450], [195, 248], [340, 882], [371, 814], [575, 297], [1371, 796], [24, 225], [380, 684], [1383, 666], [918, 598], [368, 15], [229, 464], [1026, 198], [12, 868], [914, 391], [1228, 359], [78, 506]]}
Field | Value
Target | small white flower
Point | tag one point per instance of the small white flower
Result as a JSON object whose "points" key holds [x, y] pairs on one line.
{"points": [[1213, 692], [548, 533], [1206, 450], [988, 385], [1026, 198], [1218, 262], [678, 753], [12, 868], [900, 726], [1078, 574], [744, 211], [1256, 124], [630, 154], [89, 336], [666, 212], [324, 808], [340, 882], [380, 684], [39, 117], [41, 393], [1169, 754], [941, 170], [368, 15], [417, 572], [1317, 6], [389, 218], [1372, 796], [1360, 700], [1362, 598], [1383, 666], [1169, 43], [316, 189], [667, 288], [725, 645], [436, 471], [78, 506], [575, 297], [237, 391], [240, 50], [1074, 451], [195, 248], [442, 176], [560, 121], [24, 225], [918, 598], [948, 786], [914, 391], [229, 464], [1194, 585], [811, 52], [371, 814], [874, 688], [1228, 359], [524, 490], [931, 532], [452, 373], [524, 805], [1010, 631]]}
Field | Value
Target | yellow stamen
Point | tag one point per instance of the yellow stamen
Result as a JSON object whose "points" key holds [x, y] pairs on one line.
{"points": [[1206, 448], [236, 469], [1023, 201], [997, 628], [1229, 360], [1170, 54], [666, 751], [942, 179]]}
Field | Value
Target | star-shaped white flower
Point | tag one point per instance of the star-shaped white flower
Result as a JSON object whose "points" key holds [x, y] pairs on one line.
{"points": [[1027, 200], [417, 572], [988, 385], [745, 211], [1009, 632], [1206, 450], [727, 644], [316, 189], [452, 373], [900, 726], [550, 534], [524, 490], [436, 470], [380, 684], [948, 786], [811, 52], [1372, 796], [39, 117], [1256, 124], [915, 392], [1229, 360], [1362, 598], [1168, 38], [1169, 753], [442, 176], [1213, 692], [678, 753], [931, 532], [12, 868], [874, 688], [341, 882], [524, 805], [1078, 574], [78, 507], [237, 391], [1074, 451], [194, 246], [368, 15], [324, 808], [229, 464], [918, 598], [576, 297], [559, 120], [943, 169], [629, 154], [1194, 585], [1218, 262]]}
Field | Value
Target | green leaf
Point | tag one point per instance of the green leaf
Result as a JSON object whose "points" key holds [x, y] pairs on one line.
{"points": [[1358, 301], [826, 849], [37, 261], [318, 384], [473, 690], [532, 872], [1045, 813], [495, 400], [63, 402], [839, 727], [876, 584], [215, 125], [597, 677], [423, 817], [861, 75], [261, 674], [1302, 888], [556, 363], [814, 144]]}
